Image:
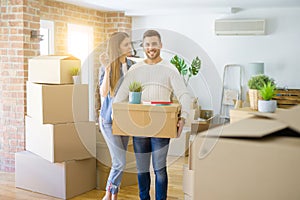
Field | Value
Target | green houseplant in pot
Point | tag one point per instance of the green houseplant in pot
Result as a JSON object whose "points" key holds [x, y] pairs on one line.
{"points": [[255, 83], [267, 92], [135, 92], [75, 73]]}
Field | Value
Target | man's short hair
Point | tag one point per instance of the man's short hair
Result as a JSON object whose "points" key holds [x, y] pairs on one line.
{"points": [[151, 33]]}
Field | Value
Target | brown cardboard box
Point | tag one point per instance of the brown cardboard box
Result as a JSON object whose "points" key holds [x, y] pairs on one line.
{"points": [[240, 113], [243, 113], [255, 158], [52, 104], [62, 180], [61, 142], [52, 69], [203, 125], [199, 126], [145, 120]]}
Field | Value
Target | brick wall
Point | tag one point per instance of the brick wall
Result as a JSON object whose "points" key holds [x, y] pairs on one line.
{"points": [[15, 48], [18, 19]]}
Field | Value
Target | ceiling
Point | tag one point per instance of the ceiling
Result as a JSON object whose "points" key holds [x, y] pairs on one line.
{"points": [[148, 7]]}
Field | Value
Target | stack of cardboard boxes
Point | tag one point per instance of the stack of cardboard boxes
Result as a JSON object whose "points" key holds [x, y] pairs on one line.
{"points": [[254, 158], [60, 141]]}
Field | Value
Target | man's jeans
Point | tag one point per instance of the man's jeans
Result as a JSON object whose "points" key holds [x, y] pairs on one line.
{"points": [[117, 146], [143, 147]]}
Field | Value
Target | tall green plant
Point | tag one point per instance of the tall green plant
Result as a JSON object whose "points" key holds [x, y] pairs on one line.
{"points": [[186, 71]]}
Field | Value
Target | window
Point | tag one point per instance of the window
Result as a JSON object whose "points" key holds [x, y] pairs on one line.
{"points": [[80, 45]]}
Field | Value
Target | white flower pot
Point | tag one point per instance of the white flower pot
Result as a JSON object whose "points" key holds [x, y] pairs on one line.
{"points": [[267, 106], [76, 79]]}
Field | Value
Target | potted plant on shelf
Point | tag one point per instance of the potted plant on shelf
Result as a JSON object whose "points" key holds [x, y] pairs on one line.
{"points": [[135, 92], [255, 83], [75, 73], [267, 92]]}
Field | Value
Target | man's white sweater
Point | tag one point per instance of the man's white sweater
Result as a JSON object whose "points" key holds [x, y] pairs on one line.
{"points": [[159, 81]]}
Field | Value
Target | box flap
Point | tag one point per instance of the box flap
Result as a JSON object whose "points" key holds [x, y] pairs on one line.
{"points": [[143, 107], [55, 57], [290, 117], [254, 127], [287, 116]]}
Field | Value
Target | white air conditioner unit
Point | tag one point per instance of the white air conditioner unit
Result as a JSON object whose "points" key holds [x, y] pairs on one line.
{"points": [[240, 26]]}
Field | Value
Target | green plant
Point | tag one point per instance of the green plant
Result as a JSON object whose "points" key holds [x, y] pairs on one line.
{"points": [[184, 70], [75, 71], [268, 91], [258, 81], [135, 86]]}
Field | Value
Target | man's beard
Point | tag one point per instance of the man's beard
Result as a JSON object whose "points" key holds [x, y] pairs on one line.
{"points": [[154, 55]]}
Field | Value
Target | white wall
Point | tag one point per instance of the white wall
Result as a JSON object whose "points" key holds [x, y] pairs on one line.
{"points": [[279, 49]]}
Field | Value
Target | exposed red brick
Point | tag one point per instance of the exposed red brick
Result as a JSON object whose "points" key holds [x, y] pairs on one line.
{"points": [[15, 28]]}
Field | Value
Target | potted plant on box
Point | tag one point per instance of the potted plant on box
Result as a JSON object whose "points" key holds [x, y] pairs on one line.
{"points": [[184, 70], [255, 83], [75, 73], [267, 92], [135, 92]]}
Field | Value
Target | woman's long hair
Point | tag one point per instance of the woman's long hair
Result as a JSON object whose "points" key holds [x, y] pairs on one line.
{"points": [[114, 54]]}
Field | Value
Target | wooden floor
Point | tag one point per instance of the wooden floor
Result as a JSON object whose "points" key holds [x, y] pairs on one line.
{"points": [[175, 171]]}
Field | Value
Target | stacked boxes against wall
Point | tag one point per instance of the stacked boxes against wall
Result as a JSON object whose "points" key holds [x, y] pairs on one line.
{"points": [[60, 141]]}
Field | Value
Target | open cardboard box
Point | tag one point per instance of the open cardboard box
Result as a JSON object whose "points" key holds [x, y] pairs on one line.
{"points": [[52, 69], [198, 126], [145, 120], [254, 158]]}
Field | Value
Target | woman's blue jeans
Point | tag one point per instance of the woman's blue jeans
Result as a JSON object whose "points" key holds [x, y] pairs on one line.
{"points": [[117, 146], [143, 148]]}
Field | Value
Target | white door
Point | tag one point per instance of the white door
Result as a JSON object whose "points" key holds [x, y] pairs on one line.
{"points": [[80, 45]]}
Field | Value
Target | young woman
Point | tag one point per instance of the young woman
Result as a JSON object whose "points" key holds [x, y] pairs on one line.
{"points": [[111, 73]]}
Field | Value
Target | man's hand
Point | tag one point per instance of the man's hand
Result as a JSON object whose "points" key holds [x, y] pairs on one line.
{"points": [[180, 124]]}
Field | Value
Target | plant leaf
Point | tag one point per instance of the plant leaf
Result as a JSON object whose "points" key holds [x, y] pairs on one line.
{"points": [[195, 66]]}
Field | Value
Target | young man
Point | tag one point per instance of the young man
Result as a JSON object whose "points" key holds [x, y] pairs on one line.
{"points": [[160, 79]]}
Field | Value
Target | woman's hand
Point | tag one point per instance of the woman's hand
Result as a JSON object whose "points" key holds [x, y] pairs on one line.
{"points": [[104, 61]]}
